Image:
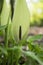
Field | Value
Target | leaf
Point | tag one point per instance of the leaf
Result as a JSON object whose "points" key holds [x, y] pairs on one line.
{"points": [[33, 38], [3, 27], [3, 50], [34, 47], [32, 55]]}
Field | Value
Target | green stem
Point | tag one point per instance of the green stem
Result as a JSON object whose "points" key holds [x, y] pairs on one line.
{"points": [[10, 58], [6, 36], [7, 32]]}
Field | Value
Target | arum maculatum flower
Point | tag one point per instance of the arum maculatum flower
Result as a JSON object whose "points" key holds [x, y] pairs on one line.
{"points": [[5, 12], [21, 20]]}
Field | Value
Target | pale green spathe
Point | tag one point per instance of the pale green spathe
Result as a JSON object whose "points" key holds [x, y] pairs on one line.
{"points": [[5, 12], [21, 18]]}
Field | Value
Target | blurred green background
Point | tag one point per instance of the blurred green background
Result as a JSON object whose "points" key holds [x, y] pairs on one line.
{"points": [[37, 12]]}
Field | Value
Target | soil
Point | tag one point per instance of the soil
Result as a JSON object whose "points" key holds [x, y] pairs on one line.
{"points": [[36, 30]]}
